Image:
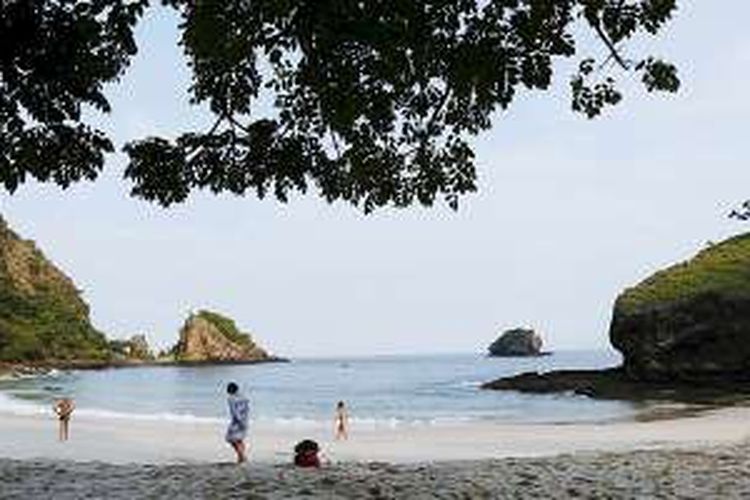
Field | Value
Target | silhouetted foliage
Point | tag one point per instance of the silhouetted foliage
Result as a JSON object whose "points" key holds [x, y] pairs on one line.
{"points": [[742, 213], [375, 100]]}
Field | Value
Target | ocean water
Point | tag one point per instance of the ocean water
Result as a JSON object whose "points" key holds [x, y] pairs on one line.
{"points": [[379, 391]]}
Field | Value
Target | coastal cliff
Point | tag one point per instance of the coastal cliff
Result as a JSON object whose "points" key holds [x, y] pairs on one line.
{"points": [[42, 315], [683, 332], [689, 321], [211, 337]]}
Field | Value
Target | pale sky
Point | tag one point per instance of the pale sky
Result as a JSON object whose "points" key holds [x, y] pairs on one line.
{"points": [[568, 213]]}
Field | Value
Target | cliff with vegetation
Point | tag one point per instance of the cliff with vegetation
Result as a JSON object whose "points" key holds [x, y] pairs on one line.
{"points": [[691, 320], [211, 337], [42, 315]]}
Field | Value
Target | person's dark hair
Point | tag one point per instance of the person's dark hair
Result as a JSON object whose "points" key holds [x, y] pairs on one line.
{"points": [[340, 404], [306, 445], [232, 388]]}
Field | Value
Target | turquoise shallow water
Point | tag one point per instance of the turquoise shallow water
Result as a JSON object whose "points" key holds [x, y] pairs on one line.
{"points": [[388, 390]]}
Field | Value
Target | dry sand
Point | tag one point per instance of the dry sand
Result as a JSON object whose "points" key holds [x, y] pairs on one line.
{"points": [[699, 457]]}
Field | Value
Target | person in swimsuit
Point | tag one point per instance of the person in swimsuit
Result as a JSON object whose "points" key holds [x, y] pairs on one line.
{"points": [[64, 409], [239, 411], [341, 422]]}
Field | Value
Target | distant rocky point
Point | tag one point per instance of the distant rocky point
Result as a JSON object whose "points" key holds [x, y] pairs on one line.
{"points": [[208, 337], [684, 330], [517, 342], [134, 348]]}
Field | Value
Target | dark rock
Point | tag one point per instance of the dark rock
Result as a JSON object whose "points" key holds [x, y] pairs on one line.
{"points": [[615, 383], [517, 342]]}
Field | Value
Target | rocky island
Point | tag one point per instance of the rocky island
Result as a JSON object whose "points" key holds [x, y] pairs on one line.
{"points": [[683, 332], [517, 342], [209, 337]]}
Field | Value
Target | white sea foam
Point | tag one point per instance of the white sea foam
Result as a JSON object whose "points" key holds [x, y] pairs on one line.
{"points": [[185, 418], [19, 407], [15, 406]]}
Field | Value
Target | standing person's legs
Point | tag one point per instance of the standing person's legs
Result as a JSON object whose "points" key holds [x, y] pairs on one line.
{"points": [[65, 423], [239, 449], [243, 451], [341, 432]]}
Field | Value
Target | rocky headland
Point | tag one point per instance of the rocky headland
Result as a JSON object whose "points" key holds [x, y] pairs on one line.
{"points": [[684, 333], [44, 323], [43, 318]]}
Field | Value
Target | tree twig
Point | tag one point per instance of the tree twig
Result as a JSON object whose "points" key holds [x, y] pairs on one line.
{"points": [[614, 53]]}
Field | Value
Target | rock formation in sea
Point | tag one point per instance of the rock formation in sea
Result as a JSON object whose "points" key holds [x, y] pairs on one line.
{"points": [[691, 320], [211, 337], [42, 315], [517, 342]]}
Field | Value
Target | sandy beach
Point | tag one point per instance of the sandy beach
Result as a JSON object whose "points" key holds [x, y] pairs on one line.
{"points": [[717, 472], [693, 457]]}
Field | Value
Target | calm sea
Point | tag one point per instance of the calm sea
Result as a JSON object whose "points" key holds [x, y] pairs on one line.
{"points": [[379, 391]]}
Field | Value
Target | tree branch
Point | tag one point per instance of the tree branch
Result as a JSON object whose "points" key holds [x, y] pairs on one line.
{"points": [[613, 52]]}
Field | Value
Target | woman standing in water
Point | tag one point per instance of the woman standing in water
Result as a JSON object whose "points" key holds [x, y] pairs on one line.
{"points": [[341, 422], [64, 409], [239, 410]]}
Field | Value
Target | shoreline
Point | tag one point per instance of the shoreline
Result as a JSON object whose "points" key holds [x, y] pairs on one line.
{"points": [[38, 368], [123, 440]]}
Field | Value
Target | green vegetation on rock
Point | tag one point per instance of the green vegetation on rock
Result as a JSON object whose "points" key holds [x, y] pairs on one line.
{"points": [[227, 327], [42, 316], [211, 337], [722, 268]]}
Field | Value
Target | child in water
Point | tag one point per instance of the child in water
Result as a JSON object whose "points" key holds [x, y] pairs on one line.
{"points": [[341, 422], [64, 409]]}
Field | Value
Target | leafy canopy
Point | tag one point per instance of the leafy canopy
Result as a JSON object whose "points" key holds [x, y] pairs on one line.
{"points": [[375, 101]]}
